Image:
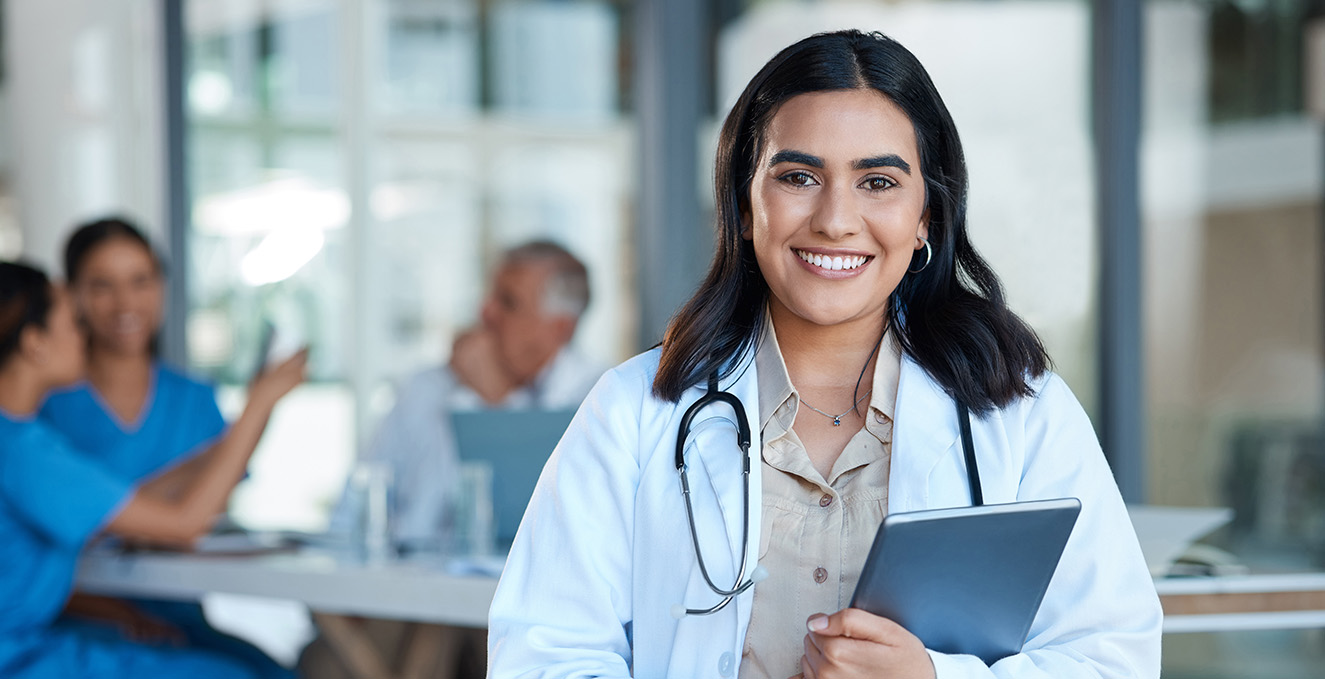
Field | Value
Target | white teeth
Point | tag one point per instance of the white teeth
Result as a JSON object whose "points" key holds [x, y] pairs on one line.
{"points": [[832, 263]]}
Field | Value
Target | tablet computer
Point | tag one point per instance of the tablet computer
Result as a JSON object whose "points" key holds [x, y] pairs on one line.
{"points": [[970, 579]]}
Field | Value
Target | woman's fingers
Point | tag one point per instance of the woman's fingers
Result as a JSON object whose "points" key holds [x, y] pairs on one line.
{"points": [[274, 383], [854, 623], [853, 643], [807, 672]]}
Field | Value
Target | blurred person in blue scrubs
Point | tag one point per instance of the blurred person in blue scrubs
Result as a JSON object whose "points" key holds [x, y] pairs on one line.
{"points": [[136, 416], [54, 498]]}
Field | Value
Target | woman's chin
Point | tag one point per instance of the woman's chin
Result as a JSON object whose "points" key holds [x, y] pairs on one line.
{"points": [[831, 313], [123, 347]]}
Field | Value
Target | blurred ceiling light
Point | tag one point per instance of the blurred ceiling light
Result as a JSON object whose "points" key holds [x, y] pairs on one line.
{"points": [[209, 92], [293, 202], [281, 255]]}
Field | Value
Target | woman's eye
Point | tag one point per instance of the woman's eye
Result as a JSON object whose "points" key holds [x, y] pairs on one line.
{"points": [[878, 183], [798, 178]]}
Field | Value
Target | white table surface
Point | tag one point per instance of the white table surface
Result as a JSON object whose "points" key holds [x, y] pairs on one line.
{"points": [[427, 593], [1243, 584], [397, 590]]}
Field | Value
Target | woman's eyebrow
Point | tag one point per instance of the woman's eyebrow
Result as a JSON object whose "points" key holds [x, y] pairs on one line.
{"points": [[887, 160], [800, 157], [796, 157]]}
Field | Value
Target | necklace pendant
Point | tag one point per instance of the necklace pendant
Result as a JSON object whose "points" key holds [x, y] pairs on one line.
{"points": [[837, 421]]}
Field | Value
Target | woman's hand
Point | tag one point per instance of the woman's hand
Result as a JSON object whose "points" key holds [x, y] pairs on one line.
{"points": [[272, 384], [853, 643]]}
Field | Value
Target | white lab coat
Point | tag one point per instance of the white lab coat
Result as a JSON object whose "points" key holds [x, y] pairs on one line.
{"points": [[604, 552]]}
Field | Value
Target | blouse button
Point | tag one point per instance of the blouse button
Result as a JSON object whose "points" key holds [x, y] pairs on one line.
{"points": [[825, 500], [878, 417], [820, 575], [726, 663]]}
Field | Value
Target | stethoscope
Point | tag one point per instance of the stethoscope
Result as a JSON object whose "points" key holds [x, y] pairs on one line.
{"points": [[741, 584]]}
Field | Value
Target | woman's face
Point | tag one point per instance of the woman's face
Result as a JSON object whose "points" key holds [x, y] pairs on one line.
{"points": [[837, 204], [118, 295], [63, 346]]}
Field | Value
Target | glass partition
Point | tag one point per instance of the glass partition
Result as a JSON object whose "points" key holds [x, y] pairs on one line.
{"points": [[1232, 190], [356, 170]]}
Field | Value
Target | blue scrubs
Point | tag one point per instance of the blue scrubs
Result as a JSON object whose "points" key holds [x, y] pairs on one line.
{"points": [[179, 421], [52, 499]]}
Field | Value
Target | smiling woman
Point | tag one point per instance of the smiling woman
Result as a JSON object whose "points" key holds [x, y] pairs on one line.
{"points": [[54, 498], [141, 420], [834, 229], [843, 282]]}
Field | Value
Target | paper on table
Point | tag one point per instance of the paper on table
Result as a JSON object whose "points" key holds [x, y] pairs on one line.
{"points": [[1166, 532], [242, 543], [489, 566]]}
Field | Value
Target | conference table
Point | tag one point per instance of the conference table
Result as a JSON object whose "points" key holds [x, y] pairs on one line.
{"points": [[459, 592], [325, 581], [341, 593]]}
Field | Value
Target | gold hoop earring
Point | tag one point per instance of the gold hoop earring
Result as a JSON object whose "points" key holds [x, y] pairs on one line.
{"points": [[929, 255]]}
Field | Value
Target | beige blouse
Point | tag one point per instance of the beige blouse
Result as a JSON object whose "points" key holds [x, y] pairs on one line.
{"points": [[815, 532]]}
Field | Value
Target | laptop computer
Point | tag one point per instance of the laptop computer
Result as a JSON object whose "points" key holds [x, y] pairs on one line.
{"points": [[516, 444]]}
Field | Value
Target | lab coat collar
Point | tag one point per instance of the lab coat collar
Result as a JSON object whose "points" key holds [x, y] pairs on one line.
{"points": [[924, 432]]}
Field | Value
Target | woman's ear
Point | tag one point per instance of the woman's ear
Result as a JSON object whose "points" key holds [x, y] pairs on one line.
{"points": [[33, 345], [747, 226], [922, 231]]}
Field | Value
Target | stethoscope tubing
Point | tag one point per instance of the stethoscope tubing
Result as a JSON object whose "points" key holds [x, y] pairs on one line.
{"points": [[712, 396]]}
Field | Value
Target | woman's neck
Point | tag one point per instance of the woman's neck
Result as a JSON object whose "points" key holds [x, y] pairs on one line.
{"points": [[115, 373], [21, 391], [819, 356]]}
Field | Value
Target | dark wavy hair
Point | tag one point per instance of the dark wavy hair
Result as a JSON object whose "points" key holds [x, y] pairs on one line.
{"points": [[25, 300], [89, 236], [951, 317]]}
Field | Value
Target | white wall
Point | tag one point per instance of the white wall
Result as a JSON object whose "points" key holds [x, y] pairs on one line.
{"points": [[85, 117]]}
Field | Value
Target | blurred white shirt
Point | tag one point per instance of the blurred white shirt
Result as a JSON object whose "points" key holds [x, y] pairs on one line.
{"points": [[416, 440]]}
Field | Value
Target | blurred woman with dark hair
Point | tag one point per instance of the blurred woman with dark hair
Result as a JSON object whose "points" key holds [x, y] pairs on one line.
{"points": [[136, 415], [54, 498], [848, 313]]}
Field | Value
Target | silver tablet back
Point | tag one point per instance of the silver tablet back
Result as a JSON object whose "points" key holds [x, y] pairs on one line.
{"points": [[970, 579]]}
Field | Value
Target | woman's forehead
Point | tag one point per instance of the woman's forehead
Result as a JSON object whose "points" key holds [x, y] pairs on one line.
{"points": [[841, 125]]}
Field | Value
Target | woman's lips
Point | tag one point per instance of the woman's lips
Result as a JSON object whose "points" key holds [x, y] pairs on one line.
{"points": [[839, 264]]}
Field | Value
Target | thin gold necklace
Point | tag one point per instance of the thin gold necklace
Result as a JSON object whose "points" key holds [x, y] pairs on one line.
{"points": [[837, 419]]}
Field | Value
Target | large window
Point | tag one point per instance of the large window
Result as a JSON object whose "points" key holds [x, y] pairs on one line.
{"points": [[356, 168], [1232, 189]]}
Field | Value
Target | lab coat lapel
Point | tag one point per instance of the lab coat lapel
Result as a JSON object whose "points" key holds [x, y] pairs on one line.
{"points": [[925, 430]]}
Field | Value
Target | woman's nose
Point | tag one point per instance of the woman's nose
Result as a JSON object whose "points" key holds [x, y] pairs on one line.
{"points": [[488, 313], [836, 215]]}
